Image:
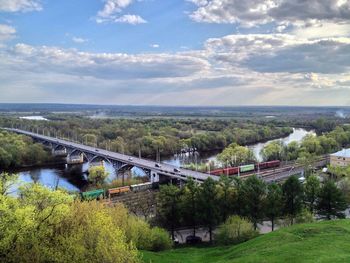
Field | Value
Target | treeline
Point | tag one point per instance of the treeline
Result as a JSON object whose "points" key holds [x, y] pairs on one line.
{"points": [[17, 150], [41, 225], [150, 136], [310, 147], [212, 203]]}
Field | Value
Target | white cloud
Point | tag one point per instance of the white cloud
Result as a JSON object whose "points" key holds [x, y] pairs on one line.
{"points": [[79, 40], [154, 45], [130, 19], [111, 13], [20, 5], [232, 70], [104, 65], [113, 7], [255, 12], [6, 33]]}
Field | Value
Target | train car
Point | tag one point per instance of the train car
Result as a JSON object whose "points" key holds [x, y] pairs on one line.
{"points": [[217, 172], [247, 168], [230, 171], [266, 165], [141, 187], [92, 195], [273, 164], [118, 191]]}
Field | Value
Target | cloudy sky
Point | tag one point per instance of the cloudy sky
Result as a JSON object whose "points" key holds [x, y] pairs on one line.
{"points": [[175, 52]]}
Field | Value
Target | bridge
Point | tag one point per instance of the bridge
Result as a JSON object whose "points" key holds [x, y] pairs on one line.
{"points": [[76, 152]]}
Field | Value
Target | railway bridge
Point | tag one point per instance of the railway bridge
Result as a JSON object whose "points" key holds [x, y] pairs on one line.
{"points": [[77, 152]]}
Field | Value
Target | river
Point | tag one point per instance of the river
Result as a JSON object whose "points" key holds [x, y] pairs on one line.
{"points": [[74, 178]]}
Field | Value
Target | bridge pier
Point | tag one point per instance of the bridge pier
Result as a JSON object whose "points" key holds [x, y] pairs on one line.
{"points": [[154, 177], [62, 152], [75, 159]]}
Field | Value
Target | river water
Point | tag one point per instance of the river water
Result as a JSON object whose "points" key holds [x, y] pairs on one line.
{"points": [[74, 177]]}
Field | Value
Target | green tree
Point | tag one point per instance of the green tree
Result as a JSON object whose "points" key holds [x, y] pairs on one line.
{"points": [[292, 197], [226, 196], [7, 183], [235, 154], [274, 203], [97, 174], [312, 189], [208, 205], [254, 193], [190, 204], [168, 207], [331, 201], [273, 151]]}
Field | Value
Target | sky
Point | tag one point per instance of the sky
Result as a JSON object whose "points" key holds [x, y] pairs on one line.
{"points": [[175, 52]]}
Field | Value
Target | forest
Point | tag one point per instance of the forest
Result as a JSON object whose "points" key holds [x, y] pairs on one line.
{"points": [[18, 151], [149, 137]]}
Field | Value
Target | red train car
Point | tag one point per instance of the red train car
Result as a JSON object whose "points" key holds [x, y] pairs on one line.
{"points": [[266, 165], [234, 170]]}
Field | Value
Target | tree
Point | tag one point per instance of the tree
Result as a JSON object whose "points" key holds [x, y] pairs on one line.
{"points": [[226, 196], [312, 188], [190, 204], [168, 207], [273, 151], [274, 203], [331, 201], [97, 174], [235, 154], [7, 182], [292, 197], [307, 160], [208, 205], [254, 192]]}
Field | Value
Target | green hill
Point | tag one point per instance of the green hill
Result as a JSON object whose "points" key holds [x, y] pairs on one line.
{"points": [[316, 242]]}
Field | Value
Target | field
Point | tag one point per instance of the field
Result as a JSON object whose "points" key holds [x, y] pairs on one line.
{"points": [[316, 242]]}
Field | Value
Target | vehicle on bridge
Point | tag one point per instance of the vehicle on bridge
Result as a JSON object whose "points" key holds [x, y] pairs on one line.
{"points": [[246, 168]]}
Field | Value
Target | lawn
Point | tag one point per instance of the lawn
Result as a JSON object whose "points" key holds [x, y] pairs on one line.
{"points": [[316, 242]]}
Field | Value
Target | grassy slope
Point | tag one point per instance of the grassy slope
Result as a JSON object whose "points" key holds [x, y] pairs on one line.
{"points": [[317, 242]]}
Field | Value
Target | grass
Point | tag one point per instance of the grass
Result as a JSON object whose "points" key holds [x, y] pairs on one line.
{"points": [[317, 242]]}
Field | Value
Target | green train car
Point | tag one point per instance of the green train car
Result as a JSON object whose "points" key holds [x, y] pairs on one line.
{"points": [[92, 195], [247, 168]]}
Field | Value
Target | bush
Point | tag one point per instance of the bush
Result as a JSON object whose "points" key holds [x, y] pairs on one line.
{"points": [[235, 230], [305, 216], [160, 239], [139, 232]]}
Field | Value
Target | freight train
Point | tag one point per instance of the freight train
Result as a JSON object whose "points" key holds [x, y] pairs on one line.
{"points": [[100, 194], [246, 168]]}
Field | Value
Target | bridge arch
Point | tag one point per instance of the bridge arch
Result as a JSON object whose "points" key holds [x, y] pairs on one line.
{"points": [[76, 152], [98, 157]]}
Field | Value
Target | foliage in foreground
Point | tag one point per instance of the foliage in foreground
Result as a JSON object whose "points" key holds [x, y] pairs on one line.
{"points": [[41, 225], [322, 242]]}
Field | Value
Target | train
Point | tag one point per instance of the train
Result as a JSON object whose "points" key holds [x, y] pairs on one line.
{"points": [[246, 168], [100, 194]]}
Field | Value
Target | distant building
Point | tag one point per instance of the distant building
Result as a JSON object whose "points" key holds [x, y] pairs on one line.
{"points": [[341, 158]]}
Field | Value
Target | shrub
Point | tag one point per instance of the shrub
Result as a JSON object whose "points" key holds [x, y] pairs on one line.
{"points": [[235, 230], [160, 239], [305, 216]]}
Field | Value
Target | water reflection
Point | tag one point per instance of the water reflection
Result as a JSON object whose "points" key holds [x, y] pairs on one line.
{"points": [[180, 160]]}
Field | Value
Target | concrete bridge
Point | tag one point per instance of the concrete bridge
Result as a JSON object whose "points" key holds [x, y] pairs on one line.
{"points": [[76, 153]]}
